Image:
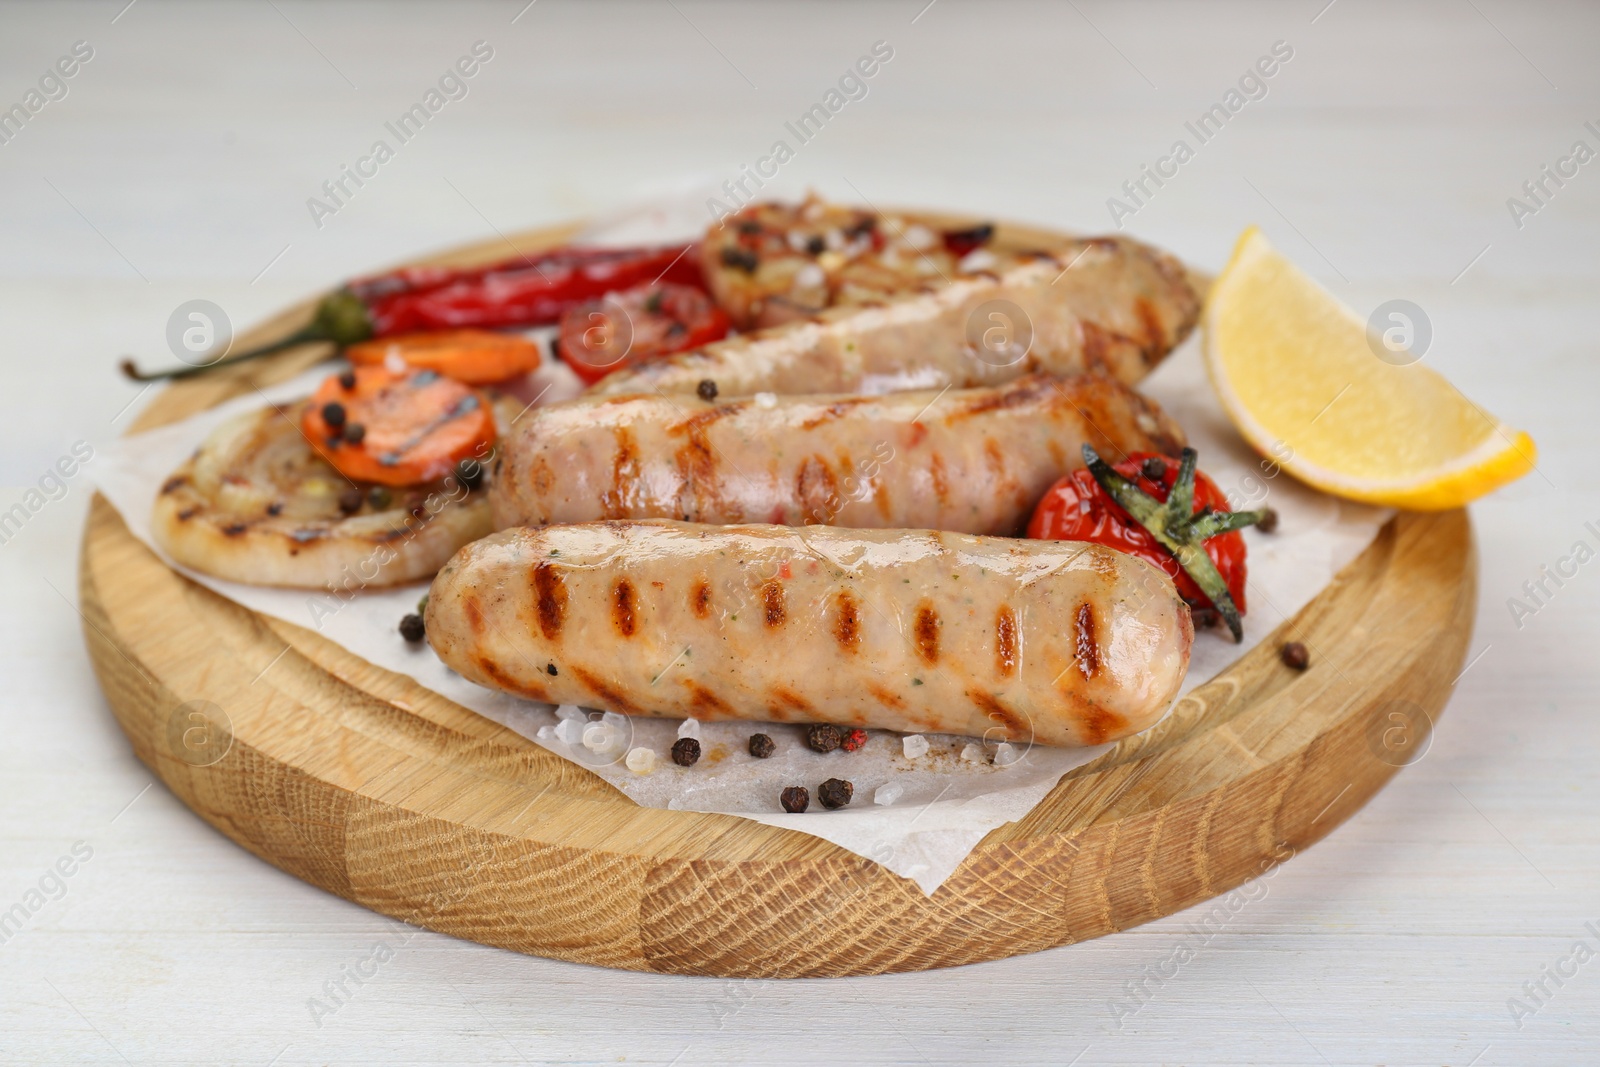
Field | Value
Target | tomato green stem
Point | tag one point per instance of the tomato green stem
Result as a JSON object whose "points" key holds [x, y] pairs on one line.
{"points": [[1177, 528]]}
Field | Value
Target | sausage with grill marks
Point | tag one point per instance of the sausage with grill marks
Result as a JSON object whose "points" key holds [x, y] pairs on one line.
{"points": [[964, 460], [1060, 643], [1106, 304]]}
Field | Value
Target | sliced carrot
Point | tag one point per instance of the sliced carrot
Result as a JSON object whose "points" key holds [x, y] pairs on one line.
{"points": [[397, 428], [477, 357]]}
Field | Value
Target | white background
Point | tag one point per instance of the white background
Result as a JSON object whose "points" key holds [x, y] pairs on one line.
{"points": [[1381, 160]]}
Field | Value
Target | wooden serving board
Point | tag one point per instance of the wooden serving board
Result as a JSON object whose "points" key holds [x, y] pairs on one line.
{"points": [[365, 784]]}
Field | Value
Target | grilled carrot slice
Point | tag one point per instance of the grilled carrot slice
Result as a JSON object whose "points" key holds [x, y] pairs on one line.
{"points": [[397, 428], [477, 357]]}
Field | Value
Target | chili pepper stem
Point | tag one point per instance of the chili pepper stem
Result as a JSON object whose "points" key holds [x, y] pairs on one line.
{"points": [[299, 337], [341, 317], [1178, 529]]}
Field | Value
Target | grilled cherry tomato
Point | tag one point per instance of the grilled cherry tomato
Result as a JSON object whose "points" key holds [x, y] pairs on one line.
{"points": [[1077, 509], [406, 428], [638, 324]]}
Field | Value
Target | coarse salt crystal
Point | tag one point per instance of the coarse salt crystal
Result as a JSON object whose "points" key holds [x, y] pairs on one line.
{"points": [[978, 259], [920, 237], [809, 277], [569, 731], [689, 728], [914, 745], [1005, 754], [616, 719], [766, 400], [888, 793], [570, 711], [640, 760], [545, 733], [597, 736], [970, 753]]}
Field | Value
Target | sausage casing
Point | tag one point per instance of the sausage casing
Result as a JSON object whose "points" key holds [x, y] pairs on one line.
{"points": [[1055, 642], [964, 460], [1105, 304]]}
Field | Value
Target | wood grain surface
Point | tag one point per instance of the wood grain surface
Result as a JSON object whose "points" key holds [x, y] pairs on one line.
{"points": [[365, 784]]}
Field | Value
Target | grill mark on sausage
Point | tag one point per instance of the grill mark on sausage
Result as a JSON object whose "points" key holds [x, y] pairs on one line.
{"points": [[1005, 641], [835, 410], [1015, 727], [624, 475], [1017, 394], [550, 592], [817, 491], [885, 697], [919, 433], [704, 699], [174, 483], [188, 513], [925, 632], [542, 478], [1099, 724], [1088, 646], [787, 700], [696, 424], [847, 622], [772, 600], [700, 597], [492, 671], [1155, 334], [1096, 342], [598, 686], [941, 485], [697, 467], [623, 599], [474, 613], [1002, 481]]}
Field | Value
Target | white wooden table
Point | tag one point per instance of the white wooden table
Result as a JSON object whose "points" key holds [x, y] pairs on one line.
{"points": [[178, 165]]}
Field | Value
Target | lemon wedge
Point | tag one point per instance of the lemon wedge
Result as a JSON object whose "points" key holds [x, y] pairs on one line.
{"points": [[1299, 377]]}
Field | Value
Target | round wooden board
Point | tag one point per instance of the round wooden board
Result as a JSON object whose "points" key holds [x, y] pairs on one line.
{"points": [[361, 782]]}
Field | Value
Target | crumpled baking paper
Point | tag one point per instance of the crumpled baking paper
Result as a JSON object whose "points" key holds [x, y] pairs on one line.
{"points": [[919, 816]]}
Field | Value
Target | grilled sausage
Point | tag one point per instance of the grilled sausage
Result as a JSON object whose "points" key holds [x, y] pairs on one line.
{"points": [[967, 460], [1105, 304], [1057, 642]]}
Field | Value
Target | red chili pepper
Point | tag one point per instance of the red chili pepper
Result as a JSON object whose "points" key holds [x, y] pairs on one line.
{"points": [[523, 293], [601, 336], [527, 291], [1077, 509]]}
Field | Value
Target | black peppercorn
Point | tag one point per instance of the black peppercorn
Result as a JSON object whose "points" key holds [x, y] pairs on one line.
{"points": [[795, 799], [815, 245], [354, 432], [761, 746], [707, 389], [350, 500], [835, 793], [740, 258], [685, 752], [470, 473], [1294, 655], [379, 497], [550, 669], [333, 414], [348, 379], [1269, 521], [411, 628], [822, 737], [1153, 469]]}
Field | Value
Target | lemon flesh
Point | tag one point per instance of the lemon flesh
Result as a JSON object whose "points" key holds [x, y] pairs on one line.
{"points": [[1297, 375]]}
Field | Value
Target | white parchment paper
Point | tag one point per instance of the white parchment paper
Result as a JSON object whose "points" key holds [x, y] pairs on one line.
{"points": [[920, 816]]}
